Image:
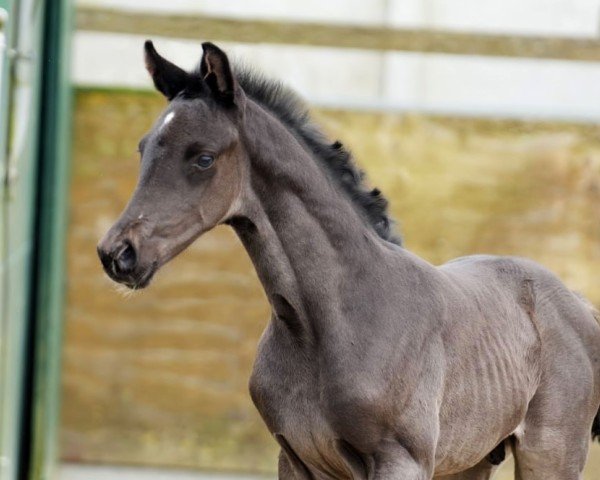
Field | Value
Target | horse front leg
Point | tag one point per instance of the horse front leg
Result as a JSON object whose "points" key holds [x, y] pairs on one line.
{"points": [[290, 466], [284, 468], [395, 462]]}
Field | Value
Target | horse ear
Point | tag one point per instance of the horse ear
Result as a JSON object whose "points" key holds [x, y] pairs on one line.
{"points": [[168, 78], [216, 72]]}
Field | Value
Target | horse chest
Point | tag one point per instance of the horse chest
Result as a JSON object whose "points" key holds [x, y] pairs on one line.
{"points": [[285, 392], [290, 394]]}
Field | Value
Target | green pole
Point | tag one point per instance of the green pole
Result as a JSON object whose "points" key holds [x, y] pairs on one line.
{"points": [[51, 227]]}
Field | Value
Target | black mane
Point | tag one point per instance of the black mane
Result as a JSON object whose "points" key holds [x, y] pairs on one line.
{"points": [[293, 113]]}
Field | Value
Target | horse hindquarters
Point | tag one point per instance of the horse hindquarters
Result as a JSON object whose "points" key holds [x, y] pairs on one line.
{"points": [[553, 440]]}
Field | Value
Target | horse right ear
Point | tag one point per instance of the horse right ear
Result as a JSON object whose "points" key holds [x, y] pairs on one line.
{"points": [[168, 78], [216, 73]]}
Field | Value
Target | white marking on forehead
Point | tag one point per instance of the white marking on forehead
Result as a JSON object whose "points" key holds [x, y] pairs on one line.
{"points": [[168, 118]]}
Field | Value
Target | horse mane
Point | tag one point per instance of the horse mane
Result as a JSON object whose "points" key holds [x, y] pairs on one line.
{"points": [[292, 111]]}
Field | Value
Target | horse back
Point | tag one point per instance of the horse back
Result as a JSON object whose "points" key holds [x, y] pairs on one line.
{"points": [[558, 314]]}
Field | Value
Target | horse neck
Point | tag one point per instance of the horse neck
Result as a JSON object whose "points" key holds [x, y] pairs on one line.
{"points": [[302, 233]]}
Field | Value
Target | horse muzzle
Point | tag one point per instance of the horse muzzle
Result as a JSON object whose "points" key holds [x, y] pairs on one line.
{"points": [[121, 261]]}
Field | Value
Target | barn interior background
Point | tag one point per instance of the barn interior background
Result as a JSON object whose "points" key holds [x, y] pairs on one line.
{"points": [[479, 120]]}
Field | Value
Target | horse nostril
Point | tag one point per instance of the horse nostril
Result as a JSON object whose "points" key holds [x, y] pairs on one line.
{"points": [[126, 259], [105, 257]]}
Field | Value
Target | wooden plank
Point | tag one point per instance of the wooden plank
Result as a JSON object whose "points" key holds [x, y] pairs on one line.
{"points": [[198, 27]]}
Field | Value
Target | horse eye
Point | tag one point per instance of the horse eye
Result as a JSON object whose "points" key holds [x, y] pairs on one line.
{"points": [[204, 161]]}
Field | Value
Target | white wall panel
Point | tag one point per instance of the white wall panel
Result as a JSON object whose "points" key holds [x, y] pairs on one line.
{"points": [[542, 17]]}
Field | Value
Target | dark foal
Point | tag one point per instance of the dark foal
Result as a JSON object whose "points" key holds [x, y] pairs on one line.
{"points": [[375, 364]]}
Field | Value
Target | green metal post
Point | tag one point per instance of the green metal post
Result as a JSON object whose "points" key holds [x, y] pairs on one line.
{"points": [[53, 185]]}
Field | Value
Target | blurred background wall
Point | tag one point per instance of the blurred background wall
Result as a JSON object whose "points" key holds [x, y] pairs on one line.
{"points": [[492, 153]]}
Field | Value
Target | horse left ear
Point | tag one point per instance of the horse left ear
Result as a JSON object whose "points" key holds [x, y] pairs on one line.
{"points": [[216, 72], [168, 78]]}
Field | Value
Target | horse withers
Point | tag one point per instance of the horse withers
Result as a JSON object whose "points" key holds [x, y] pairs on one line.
{"points": [[375, 364]]}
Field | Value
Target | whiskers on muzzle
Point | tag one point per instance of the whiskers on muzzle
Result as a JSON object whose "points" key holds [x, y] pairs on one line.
{"points": [[124, 291]]}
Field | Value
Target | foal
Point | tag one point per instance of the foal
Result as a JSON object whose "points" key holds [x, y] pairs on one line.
{"points": [[375, 364]]}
